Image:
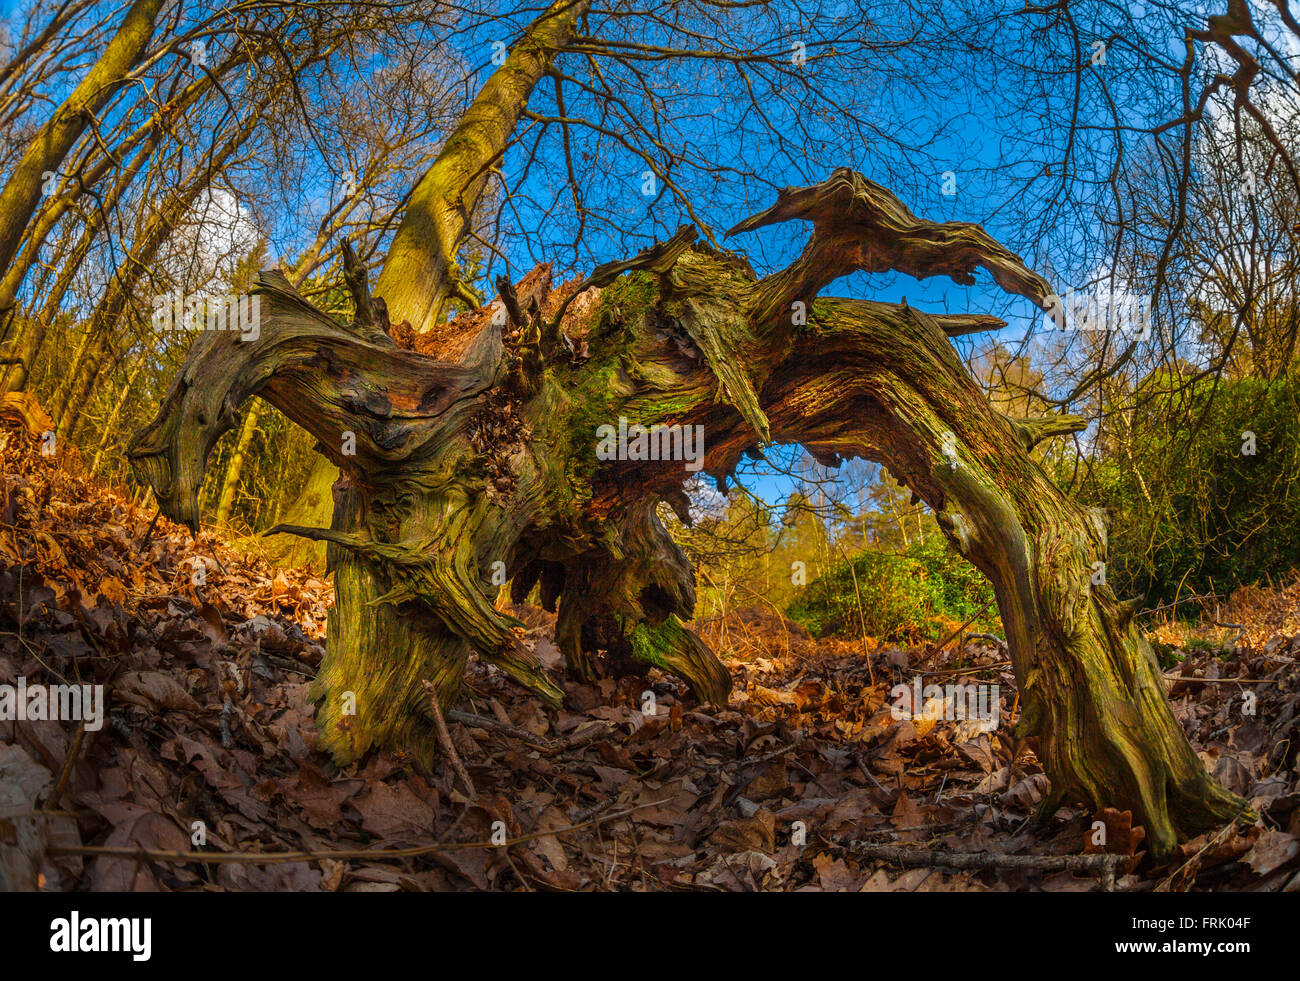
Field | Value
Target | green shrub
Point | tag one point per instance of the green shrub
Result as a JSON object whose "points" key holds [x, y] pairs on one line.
{"points": [[915, 594], [1204, 515]]}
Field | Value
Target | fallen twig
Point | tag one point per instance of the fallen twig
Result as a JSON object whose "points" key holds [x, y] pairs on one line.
{"points": [[1103, 865], [548, 747], [275, 858], [444, 740], [930, 655], [747, 761], [148, 532], [505, 728], [1193, 863], [973, 669]]}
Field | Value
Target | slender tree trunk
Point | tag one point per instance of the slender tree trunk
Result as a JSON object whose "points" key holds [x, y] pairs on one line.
{"points": [[26, 338], [23, 338], [420, 274], [107, 321], [72, 412], [110, 426], [59, 401], [231, 482]]}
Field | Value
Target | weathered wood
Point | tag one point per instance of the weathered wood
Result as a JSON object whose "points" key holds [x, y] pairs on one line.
{"points": [[460, 470], [1033, 430], [1103, 866], [860, 226]]}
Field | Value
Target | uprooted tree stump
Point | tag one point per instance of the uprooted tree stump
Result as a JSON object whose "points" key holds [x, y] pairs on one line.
{"points": [[452, 465]]}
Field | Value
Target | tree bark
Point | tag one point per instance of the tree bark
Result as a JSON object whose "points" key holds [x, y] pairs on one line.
{"points": [[493, 459]]}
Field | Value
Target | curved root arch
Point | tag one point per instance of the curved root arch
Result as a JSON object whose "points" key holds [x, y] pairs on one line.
{"points": [[454, 472]]}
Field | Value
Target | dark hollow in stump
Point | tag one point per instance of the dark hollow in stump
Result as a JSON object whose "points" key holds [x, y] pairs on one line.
{"points": [[450, 467]]}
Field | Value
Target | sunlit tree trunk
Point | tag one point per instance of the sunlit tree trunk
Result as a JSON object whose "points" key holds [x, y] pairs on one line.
{"points": [[231, 481], [24, 337], [107, 322], [421, 276], [114, 416]]}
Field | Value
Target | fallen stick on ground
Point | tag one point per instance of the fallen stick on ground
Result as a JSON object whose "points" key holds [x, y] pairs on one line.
{"points": [[505, 728], [1103, 865], [444, 741], [336, 854], [541, 743]]}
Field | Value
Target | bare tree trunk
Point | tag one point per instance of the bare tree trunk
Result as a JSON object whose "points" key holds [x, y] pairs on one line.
{"points": [[231, 482], [59, 401], [25, 339], [110, 425], [421, 273], [107, 320]]}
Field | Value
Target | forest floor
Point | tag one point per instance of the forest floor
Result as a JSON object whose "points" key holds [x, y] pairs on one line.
{"points": [[789, 787]]}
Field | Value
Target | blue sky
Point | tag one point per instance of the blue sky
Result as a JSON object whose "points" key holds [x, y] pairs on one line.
{"points": [[981, 90]]}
